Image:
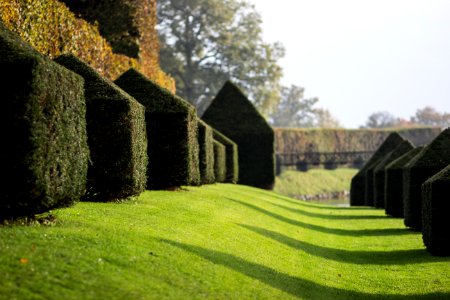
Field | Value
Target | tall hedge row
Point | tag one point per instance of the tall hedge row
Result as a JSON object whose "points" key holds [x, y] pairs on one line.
{"points": [[435, 208], [173, 148], [235, 116], [220, 167], [427, 163], [231, 155], [51, 28], [206, 152], [288, 140], [361, 188], [116, 136], [44, 151], [379, 172], [393, 188]]}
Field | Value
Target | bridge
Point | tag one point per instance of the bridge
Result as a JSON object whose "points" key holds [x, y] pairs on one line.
{"points": [[330, 160]]}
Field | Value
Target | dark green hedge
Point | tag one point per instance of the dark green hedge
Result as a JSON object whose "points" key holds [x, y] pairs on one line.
{"points": [[231, 153], [206, 152], [362, 182], [173, 148], [393, 189], [220, 167], [379, 172], [116, 136], [44, 151], [428, 162], [435, 208], [235, 116]]}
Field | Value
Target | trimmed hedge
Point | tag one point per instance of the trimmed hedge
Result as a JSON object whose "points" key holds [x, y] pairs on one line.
{"points": [[43, 128], [435, 208], [232, 156], [363, 180], [288, 140], [116, 136], [52, 29], [428, 162], [206, 152], [393, 189], [220, 167], [173, 148], [235, 116], [379, 172]]}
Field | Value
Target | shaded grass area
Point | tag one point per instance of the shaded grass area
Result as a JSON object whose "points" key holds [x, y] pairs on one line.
{"points": [[220, 242], [313, 182]]}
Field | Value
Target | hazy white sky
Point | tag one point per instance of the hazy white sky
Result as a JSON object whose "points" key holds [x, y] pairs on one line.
{"points": [[363, 56]]}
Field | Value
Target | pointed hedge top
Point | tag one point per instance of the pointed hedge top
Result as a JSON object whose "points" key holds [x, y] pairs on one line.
{"points": [[437, 153], [154, 97], [390, 143], [232, 110], [401, 149], [400, 162]]}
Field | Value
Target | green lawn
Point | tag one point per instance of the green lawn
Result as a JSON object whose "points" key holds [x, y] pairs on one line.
{"points": [[313, 182], [218, 242]]}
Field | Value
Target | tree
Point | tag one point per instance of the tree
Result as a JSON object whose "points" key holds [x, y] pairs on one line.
{"points": [[324, 119], [381, 119], [430, 117], [293, 109], [206, 42]]}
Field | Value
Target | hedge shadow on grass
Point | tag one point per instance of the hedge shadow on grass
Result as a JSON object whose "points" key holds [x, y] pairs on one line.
{"points": [[173, 149], [395, 257], [379, 172], [394, 183], [361, 189], [292, 285], [235, 116], [44, 156], [432, 159], [335, 231], [116, 136], [435, 213]]}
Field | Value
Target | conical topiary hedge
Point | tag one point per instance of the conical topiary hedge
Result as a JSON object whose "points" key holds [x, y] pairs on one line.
{"points": [[173, 149], [44, 151], [379, 172], [220, 167], [231, 157], [394, 183], [235, 116], [428, 162], [361, 181], [435, 208], [206, 152], [116, 136]]}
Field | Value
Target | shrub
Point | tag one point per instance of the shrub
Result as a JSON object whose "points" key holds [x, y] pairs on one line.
{"points": [[379, 172], [173, 148], [51, 28], [231, 156], [289, 140], [435, 208], [235, 116], [206, 152], [116, 136], [220, 167], [363, 180], [428, 162], [43, 127], [393, 189]]}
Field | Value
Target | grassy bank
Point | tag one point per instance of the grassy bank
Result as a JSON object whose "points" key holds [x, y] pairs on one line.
{"points": [[218, 242], [313, 182]]}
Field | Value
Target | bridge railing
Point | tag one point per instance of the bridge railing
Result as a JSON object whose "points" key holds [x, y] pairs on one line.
{"points": [[302, 160]]}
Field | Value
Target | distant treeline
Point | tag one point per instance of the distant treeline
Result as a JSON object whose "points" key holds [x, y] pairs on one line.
{"points": [[293, 140]]}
